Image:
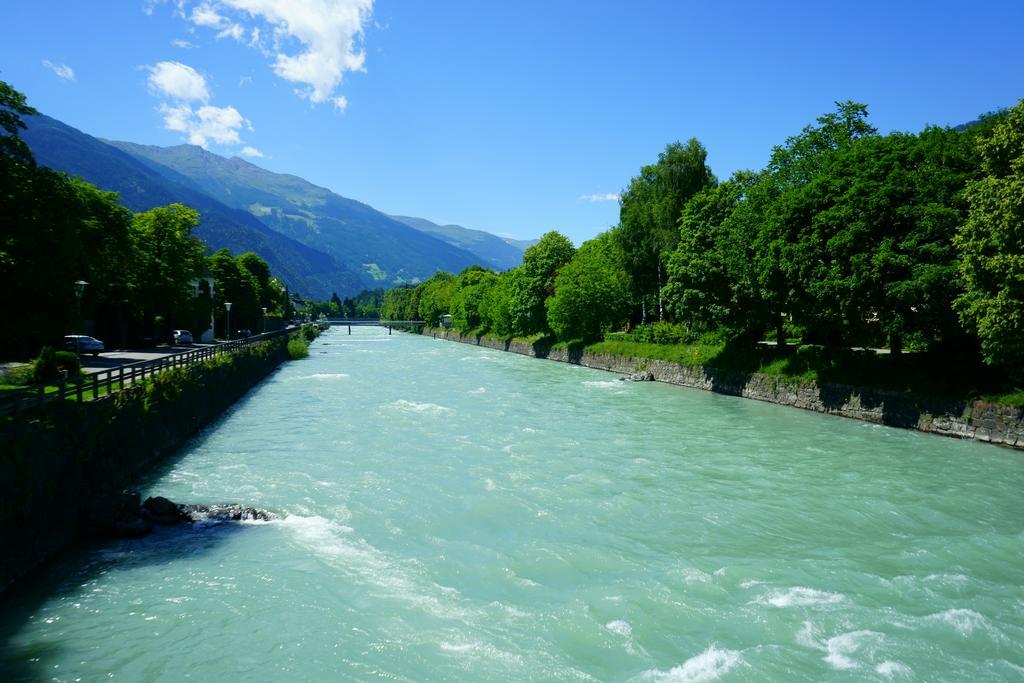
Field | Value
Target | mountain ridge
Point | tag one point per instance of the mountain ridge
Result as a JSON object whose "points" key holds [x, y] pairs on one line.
{"points": [[64, 148], [385, 251], [499, 253]]}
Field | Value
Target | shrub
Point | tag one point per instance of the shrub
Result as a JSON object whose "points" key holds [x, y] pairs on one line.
{"points": [[18, 376], [309, 332], [664, 333], [298, 348], [68, 361], [46, 367]]}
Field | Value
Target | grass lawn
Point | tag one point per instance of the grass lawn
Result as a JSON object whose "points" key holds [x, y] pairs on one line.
{"points": [[922, 373]]}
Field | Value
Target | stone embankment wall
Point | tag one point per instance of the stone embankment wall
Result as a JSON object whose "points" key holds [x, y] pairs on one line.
{"points": [[988, 422], [55, 468]]}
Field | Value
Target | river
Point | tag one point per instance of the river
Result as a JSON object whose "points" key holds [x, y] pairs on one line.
{"points": [[455, 513]]}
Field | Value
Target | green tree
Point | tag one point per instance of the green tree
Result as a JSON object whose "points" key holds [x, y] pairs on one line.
{"points": [[269, 295], [886, 210], [396, 303], [711, 282], [648, 217], [991, 244], [591, 291], [168, 259], [12, 107], [783, 206], [534, 281], [496, 306], [435, 297], [234, 284], [473, 284]]}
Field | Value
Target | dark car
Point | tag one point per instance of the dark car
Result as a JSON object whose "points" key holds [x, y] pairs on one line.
{"points": [[80, 343], [243, 333]]}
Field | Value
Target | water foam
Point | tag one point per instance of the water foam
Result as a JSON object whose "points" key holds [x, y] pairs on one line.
{"points": [[799, 596], [335, 544], [415, 407], [479, 649], [841, 648], [709, 665], [621, 627], [890, 668], [603, 384], [845, 644], [965, 621]]}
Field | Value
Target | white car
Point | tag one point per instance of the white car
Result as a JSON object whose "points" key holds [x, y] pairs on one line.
{"points": [[182, 337], [81, 343]]}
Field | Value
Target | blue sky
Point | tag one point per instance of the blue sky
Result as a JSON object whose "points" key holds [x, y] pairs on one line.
{"points": [[507, 117]]}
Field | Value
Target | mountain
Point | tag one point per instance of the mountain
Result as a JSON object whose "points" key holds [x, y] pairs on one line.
{"points": [[385, 251], [303, 269], [494, 250], [521, 245]]}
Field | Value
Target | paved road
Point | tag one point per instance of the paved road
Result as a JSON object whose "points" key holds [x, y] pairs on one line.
{"points": [[113, 359]]}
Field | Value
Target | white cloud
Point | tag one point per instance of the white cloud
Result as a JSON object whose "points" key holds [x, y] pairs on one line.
{"points": [[205, 124], [251, 152], [183, 44], [178, 81], [180, 86], [233, 31], [315, 42], [205, 15], [150, 5], [607, 197], [62, 70]]}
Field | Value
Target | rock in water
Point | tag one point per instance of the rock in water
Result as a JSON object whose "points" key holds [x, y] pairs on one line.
{"points": [[163, 511], [644, 376], [224, 513]]}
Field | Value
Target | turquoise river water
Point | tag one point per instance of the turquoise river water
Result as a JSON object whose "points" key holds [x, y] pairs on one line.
{"points": [[454, 513]]}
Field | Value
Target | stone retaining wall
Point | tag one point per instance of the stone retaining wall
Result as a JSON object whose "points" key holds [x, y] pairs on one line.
{"points": [[56, 467], [988, 422]]}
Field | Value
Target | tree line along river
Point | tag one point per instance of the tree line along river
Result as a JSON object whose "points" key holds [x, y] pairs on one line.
{"points": [[454, 513]]}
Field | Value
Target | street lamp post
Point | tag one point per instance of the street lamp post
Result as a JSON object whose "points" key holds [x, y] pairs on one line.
{"points": [[79, 289], [264, 319], [227, 305]]}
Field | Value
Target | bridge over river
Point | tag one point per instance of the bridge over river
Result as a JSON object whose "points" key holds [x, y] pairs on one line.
{"points": [[400, 324]]}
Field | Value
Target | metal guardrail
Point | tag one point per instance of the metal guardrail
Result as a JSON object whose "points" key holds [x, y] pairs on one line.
{"points": [[36, 396]]}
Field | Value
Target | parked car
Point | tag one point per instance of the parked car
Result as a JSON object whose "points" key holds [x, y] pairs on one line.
{"points": [[243, 333], [182, 337], [81, 343]]}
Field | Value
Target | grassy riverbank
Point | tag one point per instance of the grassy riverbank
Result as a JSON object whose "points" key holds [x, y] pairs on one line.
{"points": [[929, 374]]}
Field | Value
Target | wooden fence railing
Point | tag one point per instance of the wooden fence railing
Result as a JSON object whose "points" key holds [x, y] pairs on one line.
{"points": [[94, 384]]}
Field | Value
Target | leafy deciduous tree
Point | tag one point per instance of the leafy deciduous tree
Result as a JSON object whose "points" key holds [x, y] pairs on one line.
{"points": [[991, 244]]}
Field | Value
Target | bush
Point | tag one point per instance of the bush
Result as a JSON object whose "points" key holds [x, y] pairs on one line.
{"points": [[18, 376], [298, 348], [46, 368], [53, 365], [68, 361], [309, 332], [664, 333]]}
